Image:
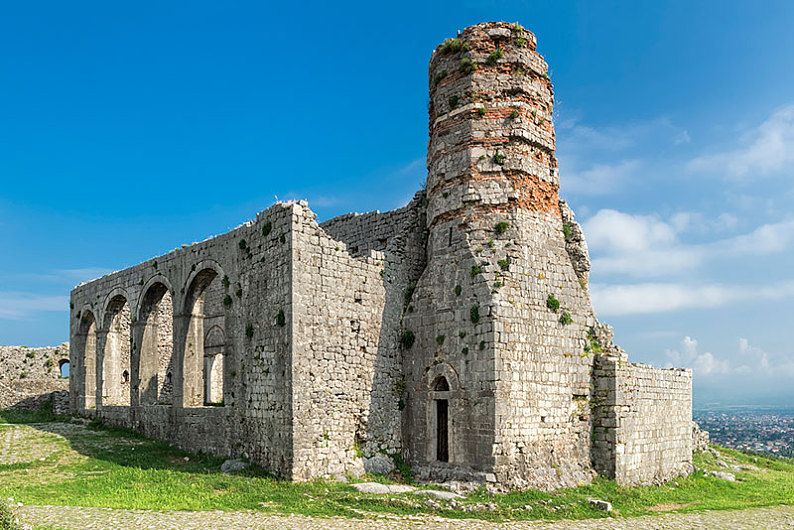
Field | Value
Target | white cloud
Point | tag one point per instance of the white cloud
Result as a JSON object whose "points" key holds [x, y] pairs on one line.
{"points": [[766, 150], [599, 179], [21, 305], [688, 356], [644, 298], [648, 246]]}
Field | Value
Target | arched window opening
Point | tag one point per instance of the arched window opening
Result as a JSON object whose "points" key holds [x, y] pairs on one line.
{"points": [[87, 349], [440, 384], [63, 369], [116, 360], [156, 359], [213, 366], [205, 345]]}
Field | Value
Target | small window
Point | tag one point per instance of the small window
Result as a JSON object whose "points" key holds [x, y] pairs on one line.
{"points": [[64, 367], [440, 384]]}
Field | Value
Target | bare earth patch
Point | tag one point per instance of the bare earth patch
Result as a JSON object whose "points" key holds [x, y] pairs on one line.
{"points": [[669, 507]]}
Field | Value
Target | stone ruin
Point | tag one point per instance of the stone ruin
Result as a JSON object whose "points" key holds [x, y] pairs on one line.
{"points": [[32, 377], [456, 333]]}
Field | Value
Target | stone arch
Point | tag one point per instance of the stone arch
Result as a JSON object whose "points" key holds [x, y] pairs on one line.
{"points": [[86, 356], [205, 341], [63, 368], [116, 356], [155, 362]]}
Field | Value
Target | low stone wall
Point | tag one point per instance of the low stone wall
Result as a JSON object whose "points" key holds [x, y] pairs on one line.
{"points": [[642, 432], [28, 376]]}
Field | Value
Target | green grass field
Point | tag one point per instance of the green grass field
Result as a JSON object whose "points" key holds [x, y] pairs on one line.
{"points": [[54, 462]]}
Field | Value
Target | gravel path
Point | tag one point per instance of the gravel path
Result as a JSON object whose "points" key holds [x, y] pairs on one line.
{"points": [[76, 518]]}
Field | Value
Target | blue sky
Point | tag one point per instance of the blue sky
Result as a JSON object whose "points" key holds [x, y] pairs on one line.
{"points": [[129, 128]]}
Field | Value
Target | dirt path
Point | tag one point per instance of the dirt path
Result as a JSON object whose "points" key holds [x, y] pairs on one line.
{"points": [[77, 518]]}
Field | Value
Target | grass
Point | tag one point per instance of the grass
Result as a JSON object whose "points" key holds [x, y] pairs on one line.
{"points": [[116, 468]]}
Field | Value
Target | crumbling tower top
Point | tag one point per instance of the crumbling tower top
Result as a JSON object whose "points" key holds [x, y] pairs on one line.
{"points": [[491, 134]]}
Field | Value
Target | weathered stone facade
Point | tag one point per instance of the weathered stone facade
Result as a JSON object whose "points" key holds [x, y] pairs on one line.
{"points": [[29, 376], [456, 332]]}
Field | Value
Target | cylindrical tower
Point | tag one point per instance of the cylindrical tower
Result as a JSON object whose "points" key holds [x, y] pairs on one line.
{"points": [[491, 145], [498, 371]]}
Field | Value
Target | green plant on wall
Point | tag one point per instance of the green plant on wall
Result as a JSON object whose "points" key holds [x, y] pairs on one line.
{"points": [[267, 227], [453, 101], [467, 66], [565, 318], [474, 313], [227, 300], [458, 290], [552, 303], [280, 318], [475, 270], [440, 340], [499, 158], [501, 227], [249, 330], [407, 339], [566, 230], [495, 56]]}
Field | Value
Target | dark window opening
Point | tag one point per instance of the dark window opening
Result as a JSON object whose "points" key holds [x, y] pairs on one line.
{"points": [[442, 430], [125, 377], [441, 384]]}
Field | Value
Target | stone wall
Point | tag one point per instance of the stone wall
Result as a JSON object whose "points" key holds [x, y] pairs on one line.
{"points": [[238, 283], [643, 426], [29, 375]]}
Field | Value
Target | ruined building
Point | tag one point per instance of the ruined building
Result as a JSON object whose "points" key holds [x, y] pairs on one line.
{"points": [[456, 332]]}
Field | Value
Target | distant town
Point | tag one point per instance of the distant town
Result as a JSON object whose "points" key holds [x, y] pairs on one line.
{"points": [[765, 430]]}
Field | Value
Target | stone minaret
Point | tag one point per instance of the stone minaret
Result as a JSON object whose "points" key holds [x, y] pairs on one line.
{"points": [[499, 372]]}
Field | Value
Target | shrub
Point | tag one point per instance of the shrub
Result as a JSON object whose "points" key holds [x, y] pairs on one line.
{"points": [[227, 300], [239, 292], [513, 114], [475, 270], [462, 334], [249, 330], [565, 318], [482, 111], [474, 313], [499, 158], [440, 340], [468, 66], [458, 290], [465, 351], [504, 264], [453, 46], [453, 101], [566, 230], [494, 57], [225, 282], [267, 227], [552, 303], [407, 339], [482, 345], [280, 318], [521, 42], [438, 77], [501, 227]]}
